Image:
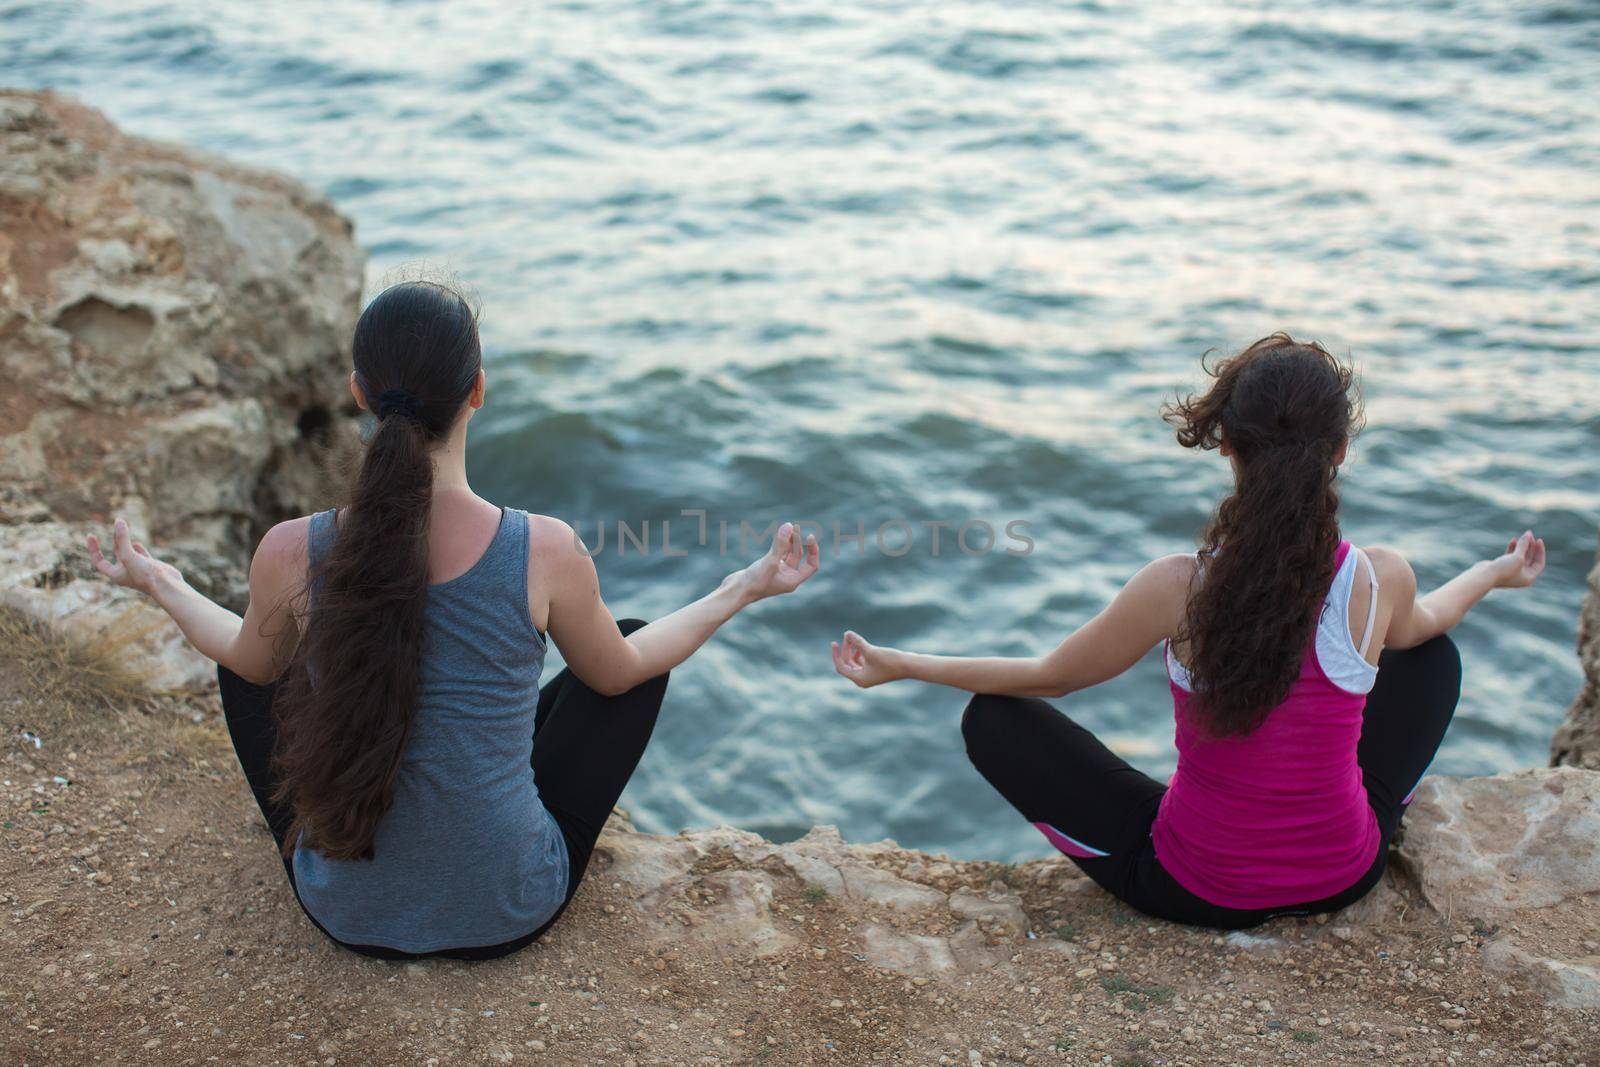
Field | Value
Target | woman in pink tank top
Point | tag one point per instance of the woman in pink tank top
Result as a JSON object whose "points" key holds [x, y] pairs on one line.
{"points": [[1311, 685]]}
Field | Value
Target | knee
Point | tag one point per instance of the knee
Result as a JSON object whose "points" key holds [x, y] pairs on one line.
{"points": [[981, 724], [1449, 657], [1439, 661], [1444, 650], [239, 693], [228, 681]]}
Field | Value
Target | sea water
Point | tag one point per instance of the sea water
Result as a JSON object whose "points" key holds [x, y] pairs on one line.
{"points": [[867, 263]]}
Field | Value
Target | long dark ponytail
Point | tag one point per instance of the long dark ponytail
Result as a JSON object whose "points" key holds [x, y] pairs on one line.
{"points": [[1284, 409], [345, 707]]}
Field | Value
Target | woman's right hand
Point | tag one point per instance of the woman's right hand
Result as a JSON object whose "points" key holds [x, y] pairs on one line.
{"points": [[1522, 563], [865, 664], [131, 566], [787, 565]]}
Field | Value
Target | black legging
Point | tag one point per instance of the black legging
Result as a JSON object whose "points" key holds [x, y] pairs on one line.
{"points": [[1054, 771], [585, 748]]}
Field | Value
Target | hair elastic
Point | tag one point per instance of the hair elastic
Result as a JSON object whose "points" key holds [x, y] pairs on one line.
{"points": [[398, 402]]}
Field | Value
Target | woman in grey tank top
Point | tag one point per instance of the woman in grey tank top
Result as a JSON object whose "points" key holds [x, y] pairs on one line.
{"points": [[382, 689]]}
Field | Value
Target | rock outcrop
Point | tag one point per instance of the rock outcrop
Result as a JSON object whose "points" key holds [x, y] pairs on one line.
{"points": [[173, 334], [1518, 855], [1512, 855], [719, 885], [1577, 740]]}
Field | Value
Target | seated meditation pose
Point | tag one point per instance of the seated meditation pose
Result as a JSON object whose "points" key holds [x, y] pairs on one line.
{"points": [[1311, 684], [382, 689]]}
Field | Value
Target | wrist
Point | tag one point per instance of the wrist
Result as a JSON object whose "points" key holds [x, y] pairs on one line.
{"points": [[897, 664], [165, 583], [739, 589], [1493, 570]]}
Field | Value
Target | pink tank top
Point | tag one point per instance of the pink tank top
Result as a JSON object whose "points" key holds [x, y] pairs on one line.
{"points": [[1278, 817]]}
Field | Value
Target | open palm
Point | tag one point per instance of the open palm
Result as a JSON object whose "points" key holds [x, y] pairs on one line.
{"points": [[131, 564]]}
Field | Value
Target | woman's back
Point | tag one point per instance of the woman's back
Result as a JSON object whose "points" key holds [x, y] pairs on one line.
{"points": [[382, 690], [466, 854], [1279, 815], [1296, 761]]}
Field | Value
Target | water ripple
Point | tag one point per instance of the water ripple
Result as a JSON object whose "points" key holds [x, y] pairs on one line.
{"points": [[859, 262]]}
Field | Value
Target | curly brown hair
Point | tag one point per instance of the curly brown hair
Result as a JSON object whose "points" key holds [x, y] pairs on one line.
{"points": [[345, 706], [1284, 410]]}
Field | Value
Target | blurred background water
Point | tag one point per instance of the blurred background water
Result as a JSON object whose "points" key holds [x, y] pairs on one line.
{"points": [[855, 261]]}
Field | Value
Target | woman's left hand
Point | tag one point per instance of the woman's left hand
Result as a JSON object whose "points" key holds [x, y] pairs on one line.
{"points": [[1522, 563], [863, 663], [784, 568], [134, 566]]}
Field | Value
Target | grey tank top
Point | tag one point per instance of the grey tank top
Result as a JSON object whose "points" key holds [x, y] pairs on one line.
{"points": [[467, 855]]}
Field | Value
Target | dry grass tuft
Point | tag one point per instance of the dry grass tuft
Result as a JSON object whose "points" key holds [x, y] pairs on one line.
{"points": [[72, 693], [67, 674]]}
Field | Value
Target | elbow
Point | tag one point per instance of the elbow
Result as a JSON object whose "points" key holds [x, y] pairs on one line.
{"points": [[1407, 641], [1051, 685], [613, 684], [629, 682], [258, 678], [1056, 692]]}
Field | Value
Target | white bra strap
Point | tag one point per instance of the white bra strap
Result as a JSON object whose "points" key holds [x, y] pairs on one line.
{"points": [[1372, 604]]}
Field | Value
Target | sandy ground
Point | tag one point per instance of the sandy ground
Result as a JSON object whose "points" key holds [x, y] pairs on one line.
{"points": [[147, 920]]}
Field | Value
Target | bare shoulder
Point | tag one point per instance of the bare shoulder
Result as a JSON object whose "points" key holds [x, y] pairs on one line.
{"points": [[554, 547], [1158, 594], [548, 536], [1390, 566], [284, 546], [279, 566], [1168, 575]]}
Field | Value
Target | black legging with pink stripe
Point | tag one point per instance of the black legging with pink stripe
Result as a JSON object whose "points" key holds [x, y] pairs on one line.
{"points": [[1056, 772]]}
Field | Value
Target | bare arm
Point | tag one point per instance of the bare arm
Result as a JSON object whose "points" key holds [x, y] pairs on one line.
{"points": [[1148, 609], [608, 662], [1414, 619], [249, 647]]}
